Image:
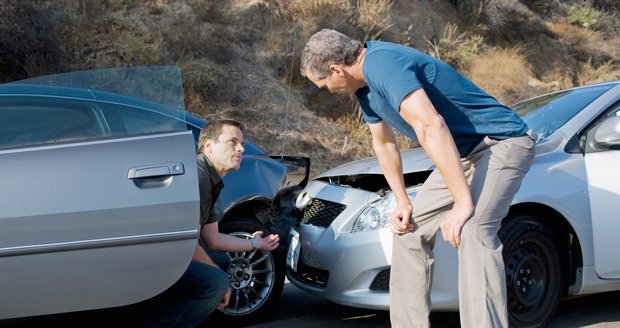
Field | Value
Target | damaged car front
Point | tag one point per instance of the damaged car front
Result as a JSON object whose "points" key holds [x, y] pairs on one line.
{"points": [[341, 250]]}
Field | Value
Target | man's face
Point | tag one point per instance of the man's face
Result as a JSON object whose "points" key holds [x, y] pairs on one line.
{"points": [[338, 81], [227, 151]]}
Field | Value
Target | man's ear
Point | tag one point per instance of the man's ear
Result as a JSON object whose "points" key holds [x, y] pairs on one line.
{"points": [[207, 145], [335, 68]]}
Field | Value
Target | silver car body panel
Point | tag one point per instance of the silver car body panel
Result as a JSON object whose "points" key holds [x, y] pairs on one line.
{"points": [[75, 225], [604, 188], [413, 160]]}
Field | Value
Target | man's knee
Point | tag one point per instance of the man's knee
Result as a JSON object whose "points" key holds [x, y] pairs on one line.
{"points": [[216, 285], [220, 258], [484, 234]]}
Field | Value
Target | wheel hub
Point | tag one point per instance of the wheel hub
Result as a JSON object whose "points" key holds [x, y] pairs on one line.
{"points": [[525, 275], [240, 273]]}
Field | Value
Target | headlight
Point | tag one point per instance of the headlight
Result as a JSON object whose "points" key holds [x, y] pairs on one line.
{"points": [[302, 200], [375, 215]]}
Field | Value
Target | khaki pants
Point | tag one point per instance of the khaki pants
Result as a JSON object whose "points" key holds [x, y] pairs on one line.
{"points": [[494, 170]]}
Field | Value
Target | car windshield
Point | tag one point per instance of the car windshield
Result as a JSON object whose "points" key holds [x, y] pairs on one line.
{"points": [[159, 84], [547, 113]]}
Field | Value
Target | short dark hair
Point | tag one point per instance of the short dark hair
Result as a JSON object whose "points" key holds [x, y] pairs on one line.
{"points": [[213, 129]]}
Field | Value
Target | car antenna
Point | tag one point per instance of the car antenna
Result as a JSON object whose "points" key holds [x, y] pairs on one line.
{"points": [[288, 96]]}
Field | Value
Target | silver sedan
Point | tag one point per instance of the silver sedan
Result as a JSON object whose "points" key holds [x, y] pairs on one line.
{"points": [[560, 236], [99, 202]]}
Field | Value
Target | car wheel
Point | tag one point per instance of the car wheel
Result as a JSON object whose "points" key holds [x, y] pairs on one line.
{"points": [[533, 270], [256, 278]]}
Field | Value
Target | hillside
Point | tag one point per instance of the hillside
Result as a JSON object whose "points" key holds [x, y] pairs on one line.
{"points": [[240, 58]]}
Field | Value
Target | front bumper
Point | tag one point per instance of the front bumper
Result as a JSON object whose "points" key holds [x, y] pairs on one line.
{"points": [[353, 268], [346, 270]]}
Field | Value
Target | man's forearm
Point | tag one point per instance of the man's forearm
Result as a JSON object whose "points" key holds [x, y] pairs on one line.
{"points": [[211, 236], [392, 168]]}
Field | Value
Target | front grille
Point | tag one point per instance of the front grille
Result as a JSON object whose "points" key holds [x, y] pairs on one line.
{"points": [[309, 275], [381, 281], [321, 213]]}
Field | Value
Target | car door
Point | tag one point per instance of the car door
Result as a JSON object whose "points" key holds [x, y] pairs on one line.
{"points": [[602, 157], [90, 216]]}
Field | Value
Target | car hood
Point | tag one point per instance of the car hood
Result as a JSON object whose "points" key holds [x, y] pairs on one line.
{"points": [[414, 160]]}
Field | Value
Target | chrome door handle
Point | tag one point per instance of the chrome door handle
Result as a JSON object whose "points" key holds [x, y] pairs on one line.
{"points": [[158, 170]]}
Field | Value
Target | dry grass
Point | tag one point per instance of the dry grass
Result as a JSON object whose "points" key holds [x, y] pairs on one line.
{"points": [[312, 15], [240, 57], [589, 73], [504, 73], [457, 49], [375, 16], [586, 44], [590, 57]]}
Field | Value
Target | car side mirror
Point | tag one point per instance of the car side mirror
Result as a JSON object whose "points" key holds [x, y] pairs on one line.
{"points": [[608, 133]]}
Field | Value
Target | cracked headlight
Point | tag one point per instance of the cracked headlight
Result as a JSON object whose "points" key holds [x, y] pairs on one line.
{"points": [[374, 216]]}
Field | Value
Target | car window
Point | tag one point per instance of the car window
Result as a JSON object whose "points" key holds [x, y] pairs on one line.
{"points": [[128, 120], [546, 114], [30, 122], [158, 84]]}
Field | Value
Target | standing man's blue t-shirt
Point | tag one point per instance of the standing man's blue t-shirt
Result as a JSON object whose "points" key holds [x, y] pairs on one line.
{"points": [[393, 71]]}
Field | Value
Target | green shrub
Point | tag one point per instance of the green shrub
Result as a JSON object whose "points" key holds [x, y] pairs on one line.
{"points": [[583, 14]]}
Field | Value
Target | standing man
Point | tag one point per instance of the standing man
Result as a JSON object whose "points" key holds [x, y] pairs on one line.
{"points": [[205, 285], [481, 150]]}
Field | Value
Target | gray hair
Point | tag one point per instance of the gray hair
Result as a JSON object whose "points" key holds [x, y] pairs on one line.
{"points": [[325, 48]]}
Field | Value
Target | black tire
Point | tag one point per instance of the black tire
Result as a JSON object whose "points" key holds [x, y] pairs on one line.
{"points": [[533, 270], [256, 279]]}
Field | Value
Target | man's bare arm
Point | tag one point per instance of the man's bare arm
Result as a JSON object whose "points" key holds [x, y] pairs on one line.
{"points": [[214, 239], [385, 147], [435, 138]]}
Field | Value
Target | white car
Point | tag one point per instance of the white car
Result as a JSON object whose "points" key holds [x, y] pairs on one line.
{"points": [[560, 237]]}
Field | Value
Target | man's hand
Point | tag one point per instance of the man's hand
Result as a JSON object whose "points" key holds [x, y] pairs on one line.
{"points": [[453, 222], [399, 219], [224, 302], [267, 243]]}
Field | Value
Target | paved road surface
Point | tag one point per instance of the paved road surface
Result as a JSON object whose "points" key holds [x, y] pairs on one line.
{"points": [[298, 309]]}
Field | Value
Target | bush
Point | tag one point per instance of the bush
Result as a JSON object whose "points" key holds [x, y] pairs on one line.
{"points": [[28, 44], [583, 14], [205, 78], [375, 16], [457, 50]]}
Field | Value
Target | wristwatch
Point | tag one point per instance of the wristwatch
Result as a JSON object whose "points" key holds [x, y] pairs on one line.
{"points": [[253, 241]]}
